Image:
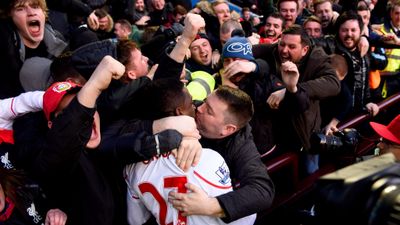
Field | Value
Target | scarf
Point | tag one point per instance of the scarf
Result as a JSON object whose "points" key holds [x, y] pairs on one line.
{"points": [[9, 208]]}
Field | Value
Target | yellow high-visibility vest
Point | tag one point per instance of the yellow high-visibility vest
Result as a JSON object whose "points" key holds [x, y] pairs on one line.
{"points": [[393, 56], [201, 85]]}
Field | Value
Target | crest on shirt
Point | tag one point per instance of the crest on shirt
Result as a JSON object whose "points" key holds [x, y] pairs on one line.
{"points": [[34, 214], [6, 162], [223, 174], [62, 87]]}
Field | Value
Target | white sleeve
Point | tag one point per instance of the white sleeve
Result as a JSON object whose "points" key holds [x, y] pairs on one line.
{"points": [[248, 220], [11, 108], [136, 211], [213, 173]]}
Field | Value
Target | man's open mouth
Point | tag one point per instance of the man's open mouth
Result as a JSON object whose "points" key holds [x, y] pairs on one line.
{"points": [[34, 27]]}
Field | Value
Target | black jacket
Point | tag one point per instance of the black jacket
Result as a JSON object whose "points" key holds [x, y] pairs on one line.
{"points": [[71, 176], [259, 85], [254, 190]]}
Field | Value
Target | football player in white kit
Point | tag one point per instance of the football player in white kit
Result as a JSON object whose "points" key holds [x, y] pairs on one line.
{"points": [[149, 182]]}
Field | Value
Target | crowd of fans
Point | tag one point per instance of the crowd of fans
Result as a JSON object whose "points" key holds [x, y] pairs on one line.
{"points": [[134, 112]]}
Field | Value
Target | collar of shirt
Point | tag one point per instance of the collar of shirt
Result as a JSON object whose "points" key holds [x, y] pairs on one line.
{"points": [[395, 29]]}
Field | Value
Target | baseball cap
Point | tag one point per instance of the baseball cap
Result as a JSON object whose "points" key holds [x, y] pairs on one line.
{"points": [[390, 132], [54, 94]]}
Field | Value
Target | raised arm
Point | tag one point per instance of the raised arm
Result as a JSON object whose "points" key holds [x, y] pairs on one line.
{"points": [[108, 69], [12, 108]]}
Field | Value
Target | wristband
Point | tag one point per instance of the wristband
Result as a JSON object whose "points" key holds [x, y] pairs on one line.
{"points": [[157, 144]]}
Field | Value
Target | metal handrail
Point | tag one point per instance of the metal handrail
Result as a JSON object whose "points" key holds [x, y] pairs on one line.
{"points": [[353, 122]]}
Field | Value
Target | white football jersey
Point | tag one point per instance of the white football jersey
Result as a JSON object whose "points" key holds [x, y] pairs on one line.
{"points": [[149, 183]]}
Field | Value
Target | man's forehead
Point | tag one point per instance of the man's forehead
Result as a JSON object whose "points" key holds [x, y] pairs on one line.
{"points": [[236, 59], [350, 23], [288, 5], [291, 38], [324, 5], [312, 24], [274, 20], [199, 42], [364, 13], [396, 8], [214, 102], [136, 52], [23, 2], [221, 6]]}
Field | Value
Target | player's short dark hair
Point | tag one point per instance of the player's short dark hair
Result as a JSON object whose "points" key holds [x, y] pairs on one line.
{"points": [[161, 98]]}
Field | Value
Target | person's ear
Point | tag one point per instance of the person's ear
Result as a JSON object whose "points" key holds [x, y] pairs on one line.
{"points": [[131, 74], [304, 50], [229, 129], [49, 124], [179, 111]]}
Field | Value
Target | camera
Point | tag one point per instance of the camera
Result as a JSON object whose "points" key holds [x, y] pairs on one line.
{"points": [[363, 193], [345, 140]]}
